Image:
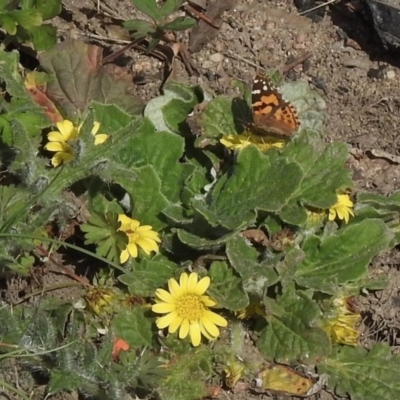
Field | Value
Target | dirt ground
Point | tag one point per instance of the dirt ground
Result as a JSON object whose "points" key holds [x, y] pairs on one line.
{"points": [[358, 79]]}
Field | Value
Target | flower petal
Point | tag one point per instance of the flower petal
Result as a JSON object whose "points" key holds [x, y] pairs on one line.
{"points": [[123, 257], [192, 282], [147, 245], [183, 281], [202, 286], [54, 146], [96, 127], [174, 288], [215, 318], [175, 324], [207, 301], [67, 129], [195, 334], [163, 308], [55, 136], [100, 139], [165, 296], [60, 158], [184, 330], [166, 320], [205, 333], [132, 249], [211, 328]]}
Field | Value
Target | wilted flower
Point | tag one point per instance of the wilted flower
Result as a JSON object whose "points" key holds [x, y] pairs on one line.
{"points": [[233, 372], [100, 299]]}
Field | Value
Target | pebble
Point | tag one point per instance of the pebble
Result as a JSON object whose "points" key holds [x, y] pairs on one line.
{"points": [[216, 57], [390, 74]]}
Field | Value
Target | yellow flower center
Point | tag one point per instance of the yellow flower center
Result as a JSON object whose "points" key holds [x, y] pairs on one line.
{"points": [[190, 307]]}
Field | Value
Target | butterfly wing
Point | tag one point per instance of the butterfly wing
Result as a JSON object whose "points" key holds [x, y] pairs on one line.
{"points": [[271, 113]]}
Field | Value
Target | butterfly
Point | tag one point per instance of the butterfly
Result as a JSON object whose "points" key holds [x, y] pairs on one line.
{"points": [[272, 115]]}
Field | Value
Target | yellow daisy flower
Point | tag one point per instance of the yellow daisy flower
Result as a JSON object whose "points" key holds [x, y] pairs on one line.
{"points": [[187, 309], [239, 142], [342, 209], [341, 329], [341, 321], [142, 236], [58, 142], [99, 138]]}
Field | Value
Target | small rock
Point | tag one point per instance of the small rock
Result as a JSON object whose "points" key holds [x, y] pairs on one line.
{"points": [[216, 57], [390, 74], [358, 62]]}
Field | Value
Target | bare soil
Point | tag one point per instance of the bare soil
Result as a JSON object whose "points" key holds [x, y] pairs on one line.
{"points": [[358, 79]]}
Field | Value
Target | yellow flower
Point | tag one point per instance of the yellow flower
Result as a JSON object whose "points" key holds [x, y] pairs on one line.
{"points": [[239, 142], [187, 309], [341, 329], [341, 321], [99, 138], [342, 209], [58, 142], [142, 236]]}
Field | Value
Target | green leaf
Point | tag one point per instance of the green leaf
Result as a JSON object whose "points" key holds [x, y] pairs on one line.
{"points": [[142, 27], [289, 338], [48, 9], [201, 243], [148, 275], [61, 379], [102, 230], [254, 183], [170, 6], [324, 175], [363, 374], [148, 7], [44, 37], [144, 188], [149, 148], [343, 257], [380, 202], [226, 289], [134, 326], [217, 119], [8, 23], [309, 105], [27, 18], [179, 24], [257, 276], [169, 111], [9, 72], [186, 375]]}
